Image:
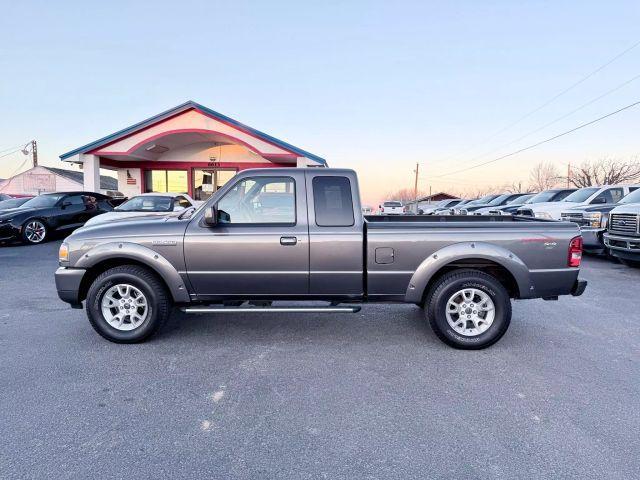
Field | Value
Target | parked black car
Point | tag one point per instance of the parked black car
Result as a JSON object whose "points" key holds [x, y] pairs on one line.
{"points": [[11, 203], [45, 214]]}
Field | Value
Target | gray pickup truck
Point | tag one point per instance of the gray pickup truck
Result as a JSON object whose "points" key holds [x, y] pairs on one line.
{"points": [[299, 235]]}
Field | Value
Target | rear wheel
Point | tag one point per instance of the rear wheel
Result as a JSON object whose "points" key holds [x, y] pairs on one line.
{"points": [[127, 304], [468, 309]]}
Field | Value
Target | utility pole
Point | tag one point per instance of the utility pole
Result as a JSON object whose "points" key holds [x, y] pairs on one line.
{"points": [[568, 174], [415, 187], [34, 151]]}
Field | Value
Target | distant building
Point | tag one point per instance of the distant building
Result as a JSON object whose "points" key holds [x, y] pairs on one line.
{"points": [[43, 179], [428, 200]]}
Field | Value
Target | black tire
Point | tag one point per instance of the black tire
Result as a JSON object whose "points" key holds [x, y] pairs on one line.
{"points": [[28, 226], [446, 287], [158, 300], [629, 263]]}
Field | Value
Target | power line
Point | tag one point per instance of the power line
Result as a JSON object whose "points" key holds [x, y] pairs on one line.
{"points": [[548, 102], [562, 117], [543, 141], [11, 153]]}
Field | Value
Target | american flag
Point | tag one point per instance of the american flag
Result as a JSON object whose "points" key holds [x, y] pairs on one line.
{"points": [[130, 179]]}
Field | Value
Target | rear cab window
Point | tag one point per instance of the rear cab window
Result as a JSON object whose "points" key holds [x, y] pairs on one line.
{"points": [[333, 203]]}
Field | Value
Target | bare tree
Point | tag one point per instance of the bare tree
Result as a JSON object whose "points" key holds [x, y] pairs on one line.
{"points": [[404, 195], [543, 177], [605, 171]]}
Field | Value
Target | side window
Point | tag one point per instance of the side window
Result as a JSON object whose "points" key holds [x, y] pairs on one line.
{"points": [[259, 200], [333, 204], [180, 203], [561, 195], [75, 199], [90, 202], [611, 195]]}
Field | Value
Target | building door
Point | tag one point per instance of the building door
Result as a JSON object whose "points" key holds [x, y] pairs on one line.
{"points": [[206, 181]]}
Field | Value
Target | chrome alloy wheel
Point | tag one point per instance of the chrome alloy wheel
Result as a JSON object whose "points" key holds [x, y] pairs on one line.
{"points": [[124, 307], [470, 312], [35, 231]]}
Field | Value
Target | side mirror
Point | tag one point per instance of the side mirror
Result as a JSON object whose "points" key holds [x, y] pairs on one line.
{"points": [[599, 200], [66, 203], [211, 216]]}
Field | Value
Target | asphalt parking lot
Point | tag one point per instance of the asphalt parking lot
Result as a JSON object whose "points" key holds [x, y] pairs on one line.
{"points": [[371, 395]]}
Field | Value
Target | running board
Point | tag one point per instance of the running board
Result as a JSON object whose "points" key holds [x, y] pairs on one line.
{"points": [[271, 309]]}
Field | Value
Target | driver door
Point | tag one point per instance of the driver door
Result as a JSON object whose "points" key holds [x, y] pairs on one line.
{"points": [[260, 245]]}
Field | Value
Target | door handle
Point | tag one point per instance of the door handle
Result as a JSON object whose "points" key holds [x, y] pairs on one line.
{"points": [[288, 240]]}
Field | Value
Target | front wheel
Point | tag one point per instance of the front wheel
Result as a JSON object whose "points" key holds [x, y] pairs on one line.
{"points": [[127, 304], [34, 232], [468, 309]]}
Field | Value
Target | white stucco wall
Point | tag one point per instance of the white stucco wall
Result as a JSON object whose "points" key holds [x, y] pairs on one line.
{"points": [[203, 152], [130, 190]]}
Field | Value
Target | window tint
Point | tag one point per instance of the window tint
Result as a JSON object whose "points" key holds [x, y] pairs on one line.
{"points": [[563, 194], [75, 199], [581, 195], [259, 200], [613, 195], [332, 201]]}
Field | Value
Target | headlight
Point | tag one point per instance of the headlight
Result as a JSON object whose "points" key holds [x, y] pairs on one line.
{"points": [[545, 215], [594, 219], [63, 253]]}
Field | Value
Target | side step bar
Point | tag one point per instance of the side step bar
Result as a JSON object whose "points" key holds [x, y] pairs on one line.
{"points": [[332, 309]]}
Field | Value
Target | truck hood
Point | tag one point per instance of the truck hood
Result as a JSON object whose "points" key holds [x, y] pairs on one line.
{"points": [[139, 226], [603, 207], [554, 209], [633, 208], [118, 215]]}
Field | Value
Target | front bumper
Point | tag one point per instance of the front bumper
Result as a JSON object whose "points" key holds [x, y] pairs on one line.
{"points": [[578, 287], [9, 232], [68, 281], [622, 246]]}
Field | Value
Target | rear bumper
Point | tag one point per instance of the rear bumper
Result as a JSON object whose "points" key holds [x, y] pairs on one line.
{"points": [[68, 281], [578, 287]]}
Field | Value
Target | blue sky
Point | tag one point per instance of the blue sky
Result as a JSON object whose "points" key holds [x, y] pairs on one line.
{"points": [[376, 86]]}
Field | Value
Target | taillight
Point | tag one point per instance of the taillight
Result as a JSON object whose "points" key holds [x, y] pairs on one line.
{"points": [[575, 252]]}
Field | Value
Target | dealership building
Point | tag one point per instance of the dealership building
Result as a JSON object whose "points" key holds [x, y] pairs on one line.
{"points": [[189, 148]]}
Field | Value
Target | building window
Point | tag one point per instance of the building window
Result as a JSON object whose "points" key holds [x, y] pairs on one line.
{"points": [[167, 181]]}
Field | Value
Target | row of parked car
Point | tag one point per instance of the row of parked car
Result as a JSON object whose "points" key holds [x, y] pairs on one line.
{"points": [[34, 219], [608, 216]]}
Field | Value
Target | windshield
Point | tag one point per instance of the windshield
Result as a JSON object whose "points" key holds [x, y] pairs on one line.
{"points": [[633, 197], [521, 200], [43, 201], [391, 204], [500, 199], [581, 195], [147, 203], [12, 203]]}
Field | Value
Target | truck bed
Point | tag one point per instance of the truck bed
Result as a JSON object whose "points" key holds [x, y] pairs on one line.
{"points": [[397, 247]]}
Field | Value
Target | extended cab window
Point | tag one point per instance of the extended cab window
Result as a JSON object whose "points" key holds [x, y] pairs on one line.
{"points": [[259, 200], [332, 201]]}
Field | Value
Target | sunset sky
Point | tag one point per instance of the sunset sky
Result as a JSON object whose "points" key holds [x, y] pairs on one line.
{"points": [[374, 86]]}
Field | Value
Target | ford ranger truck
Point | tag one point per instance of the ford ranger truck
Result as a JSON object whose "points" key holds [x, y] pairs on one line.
{"points": [[299, 235]]}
